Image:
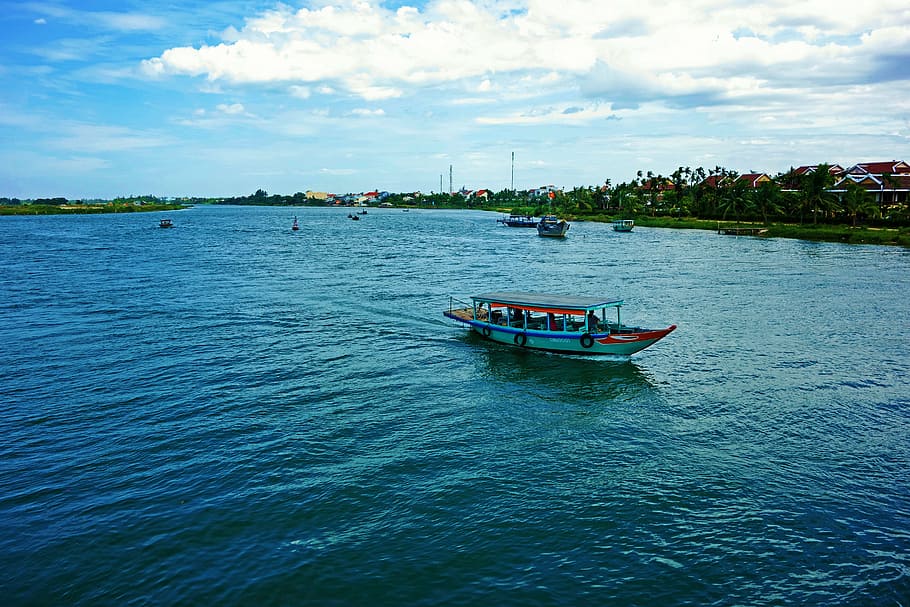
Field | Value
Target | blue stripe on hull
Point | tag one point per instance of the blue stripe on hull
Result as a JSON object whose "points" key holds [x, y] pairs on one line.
{"points": [[556, 341]]}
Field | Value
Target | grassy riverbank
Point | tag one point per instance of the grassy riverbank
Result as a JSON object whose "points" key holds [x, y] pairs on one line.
{"points": [[82, 209], [820, 233], [816, 232]]}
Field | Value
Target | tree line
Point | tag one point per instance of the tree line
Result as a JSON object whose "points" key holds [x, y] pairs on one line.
{"points": [[708, 194], [720, 194]]}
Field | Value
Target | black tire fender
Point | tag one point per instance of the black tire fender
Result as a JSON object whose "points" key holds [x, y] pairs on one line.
{"points": [[521, 339], [486, 331], [586, 340]]}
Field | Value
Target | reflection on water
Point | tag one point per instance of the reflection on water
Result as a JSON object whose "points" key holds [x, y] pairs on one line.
{"points": [[583, 379]]}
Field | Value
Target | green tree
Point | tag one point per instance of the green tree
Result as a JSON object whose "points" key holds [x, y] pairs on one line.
{"points": [[680, 181], [767, 200], [602, 196], [579, 200], [857, 201], [815, 194], [625, 199], [731, 194]]}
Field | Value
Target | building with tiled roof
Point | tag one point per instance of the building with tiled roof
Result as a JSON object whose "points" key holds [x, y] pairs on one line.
{"points": [[892, 167], [834, 169], [889, 189], [754, 180]]}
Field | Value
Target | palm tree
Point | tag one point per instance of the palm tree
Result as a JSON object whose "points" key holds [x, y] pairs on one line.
{"points": [[856, 201], [732, 192], [766, 200], [815, 195], [602, 195]]}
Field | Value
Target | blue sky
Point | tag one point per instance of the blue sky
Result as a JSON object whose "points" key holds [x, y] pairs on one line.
{"points": [[108, 99]]}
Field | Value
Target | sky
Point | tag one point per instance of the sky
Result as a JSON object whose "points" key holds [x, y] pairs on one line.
{"points": [[221, 98]]}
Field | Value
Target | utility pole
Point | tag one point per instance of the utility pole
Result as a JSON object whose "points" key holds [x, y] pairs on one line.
{"points": [[513, 172], [451, 191]]}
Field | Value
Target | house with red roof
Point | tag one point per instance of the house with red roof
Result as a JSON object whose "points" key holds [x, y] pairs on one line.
{"points": [[754, 180], [892, 167], [834, 169], [715, 181], [664, 185], [887, 181]]}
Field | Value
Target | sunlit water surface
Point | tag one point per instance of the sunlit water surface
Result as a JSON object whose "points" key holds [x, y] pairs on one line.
{"points": [[232, 413]]}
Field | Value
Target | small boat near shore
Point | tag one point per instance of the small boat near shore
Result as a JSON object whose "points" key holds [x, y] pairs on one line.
{"points": [[165, 223], [555, 323], [623, 225], [550, 226], [518, 221]]}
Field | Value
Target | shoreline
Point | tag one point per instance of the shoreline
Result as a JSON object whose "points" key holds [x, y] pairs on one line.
{"points": [[86, 209], [843, 234]]}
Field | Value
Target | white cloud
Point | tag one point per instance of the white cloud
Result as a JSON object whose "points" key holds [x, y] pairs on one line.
{"points": [[231, 109], [705, 52], [90, 138], [108, 20], [564, 114], [579, 84], [301, 92], [337, 172], [71, 49]]}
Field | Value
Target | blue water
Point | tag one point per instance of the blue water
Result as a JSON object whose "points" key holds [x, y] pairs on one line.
{"points": [[232, 413]]}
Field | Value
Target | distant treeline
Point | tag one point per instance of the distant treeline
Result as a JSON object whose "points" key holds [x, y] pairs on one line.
{"points": [[61, 206], [721, 194], [713, 194]]}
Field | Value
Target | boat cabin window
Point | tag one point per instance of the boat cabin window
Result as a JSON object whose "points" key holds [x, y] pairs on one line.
{"points": [[516, 317]]}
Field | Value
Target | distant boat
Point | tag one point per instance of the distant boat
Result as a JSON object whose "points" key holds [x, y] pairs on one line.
{"points": [[354, 217], [557, 323], [165, 223], [741, 231], [623, 225], [294, 225], [549, 225], [518, 221]]}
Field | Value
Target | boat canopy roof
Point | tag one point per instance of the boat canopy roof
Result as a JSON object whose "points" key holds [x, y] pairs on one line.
{"points": [[544, 302]]}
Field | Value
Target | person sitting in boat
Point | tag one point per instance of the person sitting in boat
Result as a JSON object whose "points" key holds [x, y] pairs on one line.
{"points": [[551, 322], [518, 317], [592, 321]]}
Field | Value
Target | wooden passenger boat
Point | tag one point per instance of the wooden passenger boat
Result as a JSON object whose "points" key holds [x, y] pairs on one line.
{"points": [[558, 323], [165, 223], [518, 221], [623, 225]]}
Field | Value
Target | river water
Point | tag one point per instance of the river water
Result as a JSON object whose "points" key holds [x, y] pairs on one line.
{"points": [[232, 413]]}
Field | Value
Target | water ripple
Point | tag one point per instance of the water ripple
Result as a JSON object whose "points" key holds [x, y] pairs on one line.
{"points": [[233, 413]]}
